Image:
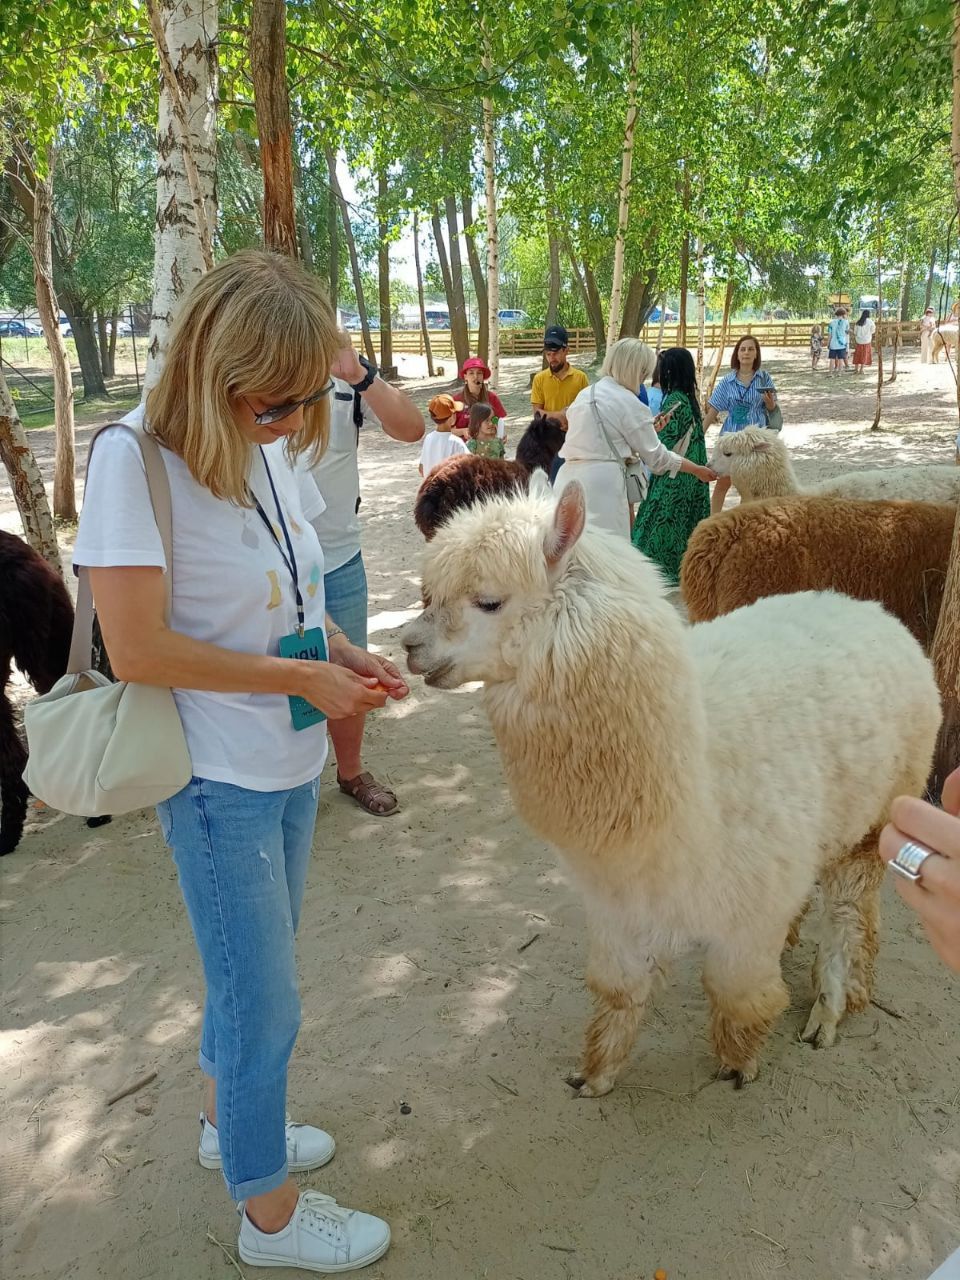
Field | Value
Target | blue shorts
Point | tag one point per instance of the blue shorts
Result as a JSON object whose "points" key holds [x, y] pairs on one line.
{"points": [[838, 353], [345, 594]]}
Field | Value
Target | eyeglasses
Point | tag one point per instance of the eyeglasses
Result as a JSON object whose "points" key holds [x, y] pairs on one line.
{"points": [[281, 411]]}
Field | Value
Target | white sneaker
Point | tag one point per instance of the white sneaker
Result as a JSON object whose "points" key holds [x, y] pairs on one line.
{"points": [[307, 1147], [321, 1236]]}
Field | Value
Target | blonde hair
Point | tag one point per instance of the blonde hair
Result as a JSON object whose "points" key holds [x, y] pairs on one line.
{"points": [[257, 324], [629, 362]]}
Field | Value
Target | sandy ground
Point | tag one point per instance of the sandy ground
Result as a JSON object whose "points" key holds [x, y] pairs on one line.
{"points": [[442, 954]]}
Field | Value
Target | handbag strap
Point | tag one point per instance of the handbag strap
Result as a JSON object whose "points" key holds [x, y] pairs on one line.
{"points": [[158, 483], [617, 456]]}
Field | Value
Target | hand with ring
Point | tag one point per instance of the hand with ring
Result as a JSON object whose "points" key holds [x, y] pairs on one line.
{"points": [[921, 846]]}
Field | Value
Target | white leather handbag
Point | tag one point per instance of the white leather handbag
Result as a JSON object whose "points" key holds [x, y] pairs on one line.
{"points": [[121, 746]]}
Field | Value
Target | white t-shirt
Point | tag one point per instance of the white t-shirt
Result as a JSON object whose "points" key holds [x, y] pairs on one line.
{"points": [[437, 447], [627, 429], [338, 479], [230, 588], [864, 332]]}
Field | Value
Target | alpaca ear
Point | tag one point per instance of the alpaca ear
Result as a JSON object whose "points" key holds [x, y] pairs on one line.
{"points": [[761, 446], [568, 520], [539, 484]]}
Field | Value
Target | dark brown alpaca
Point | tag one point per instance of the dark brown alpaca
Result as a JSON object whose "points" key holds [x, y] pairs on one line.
{"points": [[36, 621]]}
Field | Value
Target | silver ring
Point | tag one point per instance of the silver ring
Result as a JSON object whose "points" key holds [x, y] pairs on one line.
{"points": [[910, 859]]}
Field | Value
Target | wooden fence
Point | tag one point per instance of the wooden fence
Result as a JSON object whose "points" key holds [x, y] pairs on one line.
{"points": [[529, 342]]}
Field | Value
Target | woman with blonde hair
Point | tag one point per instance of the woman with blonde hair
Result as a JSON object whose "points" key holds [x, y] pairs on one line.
{"points": [[608, 427], [242, 394]]}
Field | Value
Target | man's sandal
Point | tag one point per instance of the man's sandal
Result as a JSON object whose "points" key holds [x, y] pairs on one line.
{"points": [[370, 794]]}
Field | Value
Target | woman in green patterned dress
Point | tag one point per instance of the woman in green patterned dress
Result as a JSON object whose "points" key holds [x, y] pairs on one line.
{"points": [[675, 505]]}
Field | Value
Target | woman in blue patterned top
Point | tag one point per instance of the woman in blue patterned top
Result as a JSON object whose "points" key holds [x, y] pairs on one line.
{"points": [[746, 395]]}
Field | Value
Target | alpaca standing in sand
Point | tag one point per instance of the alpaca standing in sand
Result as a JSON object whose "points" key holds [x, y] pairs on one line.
{"points": [[600, 700]]}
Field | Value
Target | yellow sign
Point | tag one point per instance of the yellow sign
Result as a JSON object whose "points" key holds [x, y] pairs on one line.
{"points": [[840, 299]]}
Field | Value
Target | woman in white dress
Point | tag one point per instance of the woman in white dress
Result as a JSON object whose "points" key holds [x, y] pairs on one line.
{"points": [[609, 426]]}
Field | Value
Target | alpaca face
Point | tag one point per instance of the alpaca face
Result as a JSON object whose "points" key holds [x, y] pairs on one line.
{"points": [[745, 444], [489, 570]]}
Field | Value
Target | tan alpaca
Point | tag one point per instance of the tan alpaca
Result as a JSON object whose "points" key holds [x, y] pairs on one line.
{"points": [[758, 463], [600, 700]]}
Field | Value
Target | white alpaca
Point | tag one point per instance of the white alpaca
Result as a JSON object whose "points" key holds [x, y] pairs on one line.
{"points": [[600, 700], [759, 465]]}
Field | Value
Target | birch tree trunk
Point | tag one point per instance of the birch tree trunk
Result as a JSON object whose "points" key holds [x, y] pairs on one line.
{"points": [[26, 481], [623, 210], [701, 314], [333, 237], [684, 262], [186, 33], [479, 283], [724, 331], [493, 233], [553, 298], [946, 641], [420, 298], [352, 250], [928, 292], [898, 324], [268, 70], [875, 425], [64, 492], [383, 273]]}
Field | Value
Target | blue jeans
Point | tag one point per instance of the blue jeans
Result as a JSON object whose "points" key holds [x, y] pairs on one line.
{"points": [[242, 859], [345, 599]]}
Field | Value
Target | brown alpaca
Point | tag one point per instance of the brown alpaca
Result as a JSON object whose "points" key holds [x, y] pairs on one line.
{"points": [[460, 482], [892, 552]]}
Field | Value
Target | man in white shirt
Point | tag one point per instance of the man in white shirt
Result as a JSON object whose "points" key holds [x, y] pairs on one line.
{"points": [[359, 398]]}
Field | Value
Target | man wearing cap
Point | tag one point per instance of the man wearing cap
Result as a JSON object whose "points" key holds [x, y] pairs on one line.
{"points": [[360, 398], [556, 387], [440, 443]]}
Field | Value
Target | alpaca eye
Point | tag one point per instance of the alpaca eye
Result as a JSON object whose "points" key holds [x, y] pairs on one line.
{"points": [[489, 606]]}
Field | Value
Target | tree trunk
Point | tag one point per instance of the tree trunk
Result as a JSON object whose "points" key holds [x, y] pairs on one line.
{"points": [[580, 278], [103, 342], [623, 208], [268, 71], [457, 303], [875, 425], [553, 297], [724, 331], [898, 326], [594, 308], [479, 283], [928, 292], [420, 299], [701, 315], [111, 369], [493, 232], [442, 258], [303, 222], [26, 481], [383, 273], [64, 492], [186, 32], [354, 260], [663, 321], [946, 641], [906, 291], [639, 302], [333, 231], [684, 261]]}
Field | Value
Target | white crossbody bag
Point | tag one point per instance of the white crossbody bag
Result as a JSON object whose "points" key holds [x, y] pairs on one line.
{"points": [[121, 746]]}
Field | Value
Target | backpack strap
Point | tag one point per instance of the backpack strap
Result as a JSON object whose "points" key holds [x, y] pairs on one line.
{"points": [[81, 644]]}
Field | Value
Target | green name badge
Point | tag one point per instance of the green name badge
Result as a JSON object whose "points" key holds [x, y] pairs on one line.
{"points": [[310, 647]]}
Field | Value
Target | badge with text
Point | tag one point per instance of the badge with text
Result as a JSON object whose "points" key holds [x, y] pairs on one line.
{"points": [[310, 647]]}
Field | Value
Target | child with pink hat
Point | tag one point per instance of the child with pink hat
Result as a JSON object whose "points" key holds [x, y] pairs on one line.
{"points": [[476, 390]]}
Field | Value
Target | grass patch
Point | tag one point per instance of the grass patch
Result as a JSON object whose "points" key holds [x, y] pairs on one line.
{"points": [[120, 402]]}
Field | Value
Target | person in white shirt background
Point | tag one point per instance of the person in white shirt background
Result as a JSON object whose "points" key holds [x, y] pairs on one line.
{"points": [[360, 398], [243, 393], [607, 426], [863, 332]]}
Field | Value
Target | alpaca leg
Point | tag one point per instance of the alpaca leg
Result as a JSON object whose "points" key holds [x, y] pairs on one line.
{"points": [[747, 994], [844, 967], [13, 790], [793, 933], [620, 979]]}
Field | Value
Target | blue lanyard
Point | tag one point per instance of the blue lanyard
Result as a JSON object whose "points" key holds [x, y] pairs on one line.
{"points": [[288, 557]]}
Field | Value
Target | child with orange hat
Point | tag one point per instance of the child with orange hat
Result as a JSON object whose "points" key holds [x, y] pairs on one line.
{"points": [[440, 443], [476, 390]]}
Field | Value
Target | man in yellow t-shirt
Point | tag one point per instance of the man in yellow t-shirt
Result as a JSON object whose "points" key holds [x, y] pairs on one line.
{"points": [[555, 388]]}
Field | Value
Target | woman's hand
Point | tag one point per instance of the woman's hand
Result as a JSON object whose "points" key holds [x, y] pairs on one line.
{"points": [[706, 474], [337, 692], [935, 897], [770, 399], [346, 365], [661, 420], [369, 666]]}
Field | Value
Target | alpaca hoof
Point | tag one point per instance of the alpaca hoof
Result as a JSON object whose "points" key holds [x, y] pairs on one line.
{"points": [[739, 1075], [821, 1029], [596, 1087], [101, 821]]}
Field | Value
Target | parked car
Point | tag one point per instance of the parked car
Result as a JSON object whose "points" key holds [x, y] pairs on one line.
{"points": [[19, 329], [352, 323], [514, 318], [654, 316]]}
